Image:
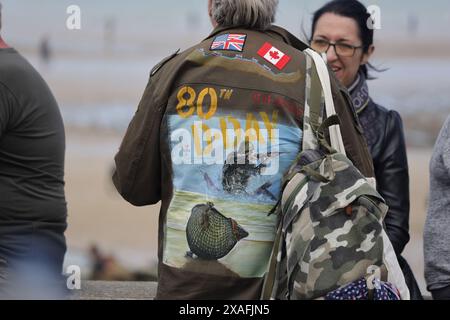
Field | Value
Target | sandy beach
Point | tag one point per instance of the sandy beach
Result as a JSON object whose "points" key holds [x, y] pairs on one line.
{"points": [[419, 160], [97, 213]]}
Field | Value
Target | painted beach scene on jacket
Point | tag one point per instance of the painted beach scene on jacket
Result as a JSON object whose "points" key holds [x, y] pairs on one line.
{"points": [[228, 156], [98, 74]]}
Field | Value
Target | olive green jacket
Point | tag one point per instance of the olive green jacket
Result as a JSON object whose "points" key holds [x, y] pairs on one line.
{"points": [[199, 106]]}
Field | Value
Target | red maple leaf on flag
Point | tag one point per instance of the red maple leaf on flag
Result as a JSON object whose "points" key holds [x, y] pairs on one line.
{"points": [[274, 55]]}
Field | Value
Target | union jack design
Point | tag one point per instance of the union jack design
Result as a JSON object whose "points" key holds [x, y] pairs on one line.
{"points": [[230, 42]]}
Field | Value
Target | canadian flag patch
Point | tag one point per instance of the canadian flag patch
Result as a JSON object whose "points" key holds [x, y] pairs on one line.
{"points": [[274, 56]]}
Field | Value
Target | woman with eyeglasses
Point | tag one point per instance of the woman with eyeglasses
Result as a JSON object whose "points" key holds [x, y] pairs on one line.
{"points": [[340, 31]]}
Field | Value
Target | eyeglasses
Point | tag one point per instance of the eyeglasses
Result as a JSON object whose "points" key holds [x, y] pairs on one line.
{"points": [[341, 49]]}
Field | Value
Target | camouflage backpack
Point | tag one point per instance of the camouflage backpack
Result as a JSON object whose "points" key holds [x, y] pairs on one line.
{"points": [[330, 232]]}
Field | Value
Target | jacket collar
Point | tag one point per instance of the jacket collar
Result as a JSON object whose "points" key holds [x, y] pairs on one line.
{"points": [[220, 29], [274, 31], [359, 92]]}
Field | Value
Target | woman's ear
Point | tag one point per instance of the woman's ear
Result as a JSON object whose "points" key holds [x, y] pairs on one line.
{"points": [[366, 56]]}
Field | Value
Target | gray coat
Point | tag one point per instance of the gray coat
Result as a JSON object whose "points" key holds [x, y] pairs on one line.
{"points": [[437, 227]]}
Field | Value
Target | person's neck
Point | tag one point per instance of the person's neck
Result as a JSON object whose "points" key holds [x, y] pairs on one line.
{"points": [[3, 44]]}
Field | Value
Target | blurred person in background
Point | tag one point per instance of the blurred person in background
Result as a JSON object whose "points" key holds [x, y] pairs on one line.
{"points": [[437, 226], [340, 30], [105, 267], [246, 75], [32, 200], [45, 50]]}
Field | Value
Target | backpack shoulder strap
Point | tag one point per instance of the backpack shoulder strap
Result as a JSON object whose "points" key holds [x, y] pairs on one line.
{"points": [[313, 106], [318, 90]]}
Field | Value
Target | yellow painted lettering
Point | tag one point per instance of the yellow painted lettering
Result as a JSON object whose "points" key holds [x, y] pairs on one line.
{"points": [[223, 128], [184, 103], [197, 132], [209, 141], [213, 104], [237, 130], [252, 123], [270, 125]]}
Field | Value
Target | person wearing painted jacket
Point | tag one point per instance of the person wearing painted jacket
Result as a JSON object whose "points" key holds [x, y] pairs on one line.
{"points": [[217, 128]]}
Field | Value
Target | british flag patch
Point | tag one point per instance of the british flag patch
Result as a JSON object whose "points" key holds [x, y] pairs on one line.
{"points": [[230, 42]]}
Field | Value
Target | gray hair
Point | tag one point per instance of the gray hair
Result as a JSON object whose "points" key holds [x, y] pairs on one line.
{"points": [[0, 15], [254, 14]]}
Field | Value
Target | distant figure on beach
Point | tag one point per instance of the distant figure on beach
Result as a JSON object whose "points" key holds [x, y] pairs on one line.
{"points": [[45, 52], [437, 226], [110, 35], [340, 30], [197, 111], [106, 267], [193, 20], [33, 209], [413, 24]]}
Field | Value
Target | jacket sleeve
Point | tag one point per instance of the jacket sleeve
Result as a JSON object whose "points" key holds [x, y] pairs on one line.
{"points": [[137, 175], [446, 154], [436, 233], [351, 130], [393, 182]]}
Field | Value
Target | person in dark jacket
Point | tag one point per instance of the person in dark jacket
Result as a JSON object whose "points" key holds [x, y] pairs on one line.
{"points": [[340, 30]]}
